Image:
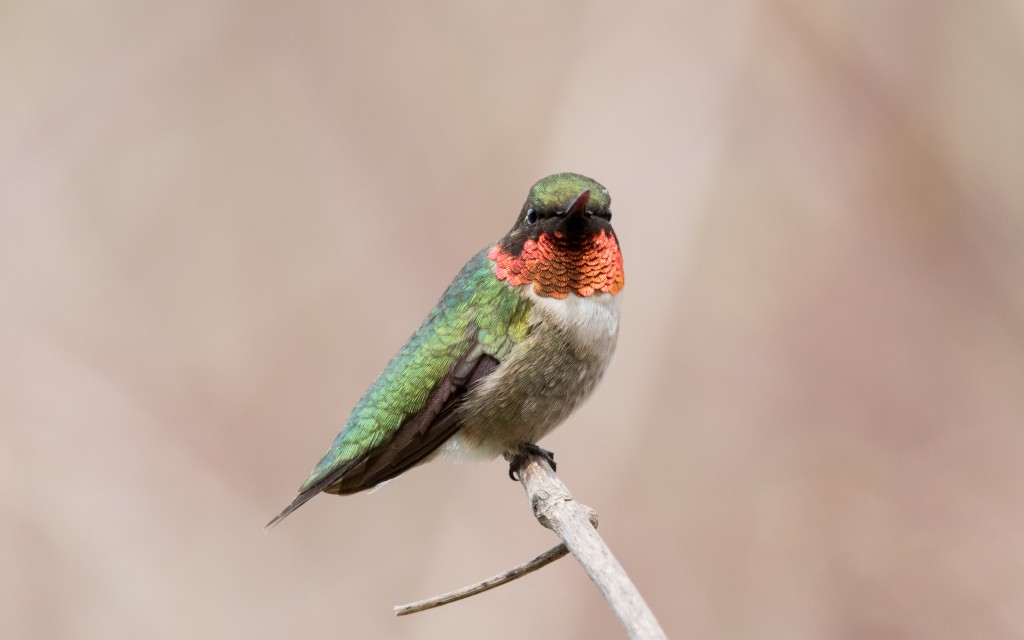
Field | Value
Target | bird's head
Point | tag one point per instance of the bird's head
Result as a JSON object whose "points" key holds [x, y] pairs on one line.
{"points": [[563, 241]]}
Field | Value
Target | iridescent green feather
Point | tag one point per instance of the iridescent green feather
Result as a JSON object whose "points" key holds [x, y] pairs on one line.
{"points": [[561, 188], [476, 308]]}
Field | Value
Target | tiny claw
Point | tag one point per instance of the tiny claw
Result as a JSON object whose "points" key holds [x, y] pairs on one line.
{"points": [[517, 460], [544, 453]]}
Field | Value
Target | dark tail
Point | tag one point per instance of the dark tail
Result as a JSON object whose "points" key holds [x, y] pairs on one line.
{"points": [[299, 500]]}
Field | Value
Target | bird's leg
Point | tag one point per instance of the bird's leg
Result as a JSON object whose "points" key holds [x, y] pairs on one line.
{"points": [[517, 459]]}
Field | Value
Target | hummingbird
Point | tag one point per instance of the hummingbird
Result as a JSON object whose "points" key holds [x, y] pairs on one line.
{"points": [[518, 340]]}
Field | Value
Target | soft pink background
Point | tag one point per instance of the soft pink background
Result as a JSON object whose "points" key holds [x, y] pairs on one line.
{"points": [[220, 219]]}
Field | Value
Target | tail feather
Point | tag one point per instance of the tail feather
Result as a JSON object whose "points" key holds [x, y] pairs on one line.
{"points": [[413, 442], [299, 500]]}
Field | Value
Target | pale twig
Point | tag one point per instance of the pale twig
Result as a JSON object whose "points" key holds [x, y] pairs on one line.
{"points": [[544, 559], [555, 508]]}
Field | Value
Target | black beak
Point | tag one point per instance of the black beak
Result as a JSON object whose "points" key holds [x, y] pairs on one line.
{"points": [[579, 205]]}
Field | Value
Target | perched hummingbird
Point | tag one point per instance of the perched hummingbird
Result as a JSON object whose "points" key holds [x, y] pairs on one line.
{"points": [[520, 338]]}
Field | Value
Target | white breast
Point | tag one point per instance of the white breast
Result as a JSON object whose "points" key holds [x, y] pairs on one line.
{"points": [[543, 378], [593, 319]]}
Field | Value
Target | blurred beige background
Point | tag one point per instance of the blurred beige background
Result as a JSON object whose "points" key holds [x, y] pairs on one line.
{"points": [[220, 219]]}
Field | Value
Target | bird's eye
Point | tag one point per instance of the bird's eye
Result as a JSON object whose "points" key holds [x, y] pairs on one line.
{"points": [[606, 214], [531, 216]]}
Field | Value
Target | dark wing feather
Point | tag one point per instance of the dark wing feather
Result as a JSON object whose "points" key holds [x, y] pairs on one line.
{"points": [[418, 436]]}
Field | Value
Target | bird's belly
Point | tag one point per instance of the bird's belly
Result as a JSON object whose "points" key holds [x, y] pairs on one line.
{"points": [[543, 378]]}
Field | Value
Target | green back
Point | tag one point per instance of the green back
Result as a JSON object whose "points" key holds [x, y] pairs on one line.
{"points": [[476, 308]]}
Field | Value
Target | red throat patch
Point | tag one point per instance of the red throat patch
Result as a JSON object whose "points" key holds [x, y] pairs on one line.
{"points": [[558, 266]]}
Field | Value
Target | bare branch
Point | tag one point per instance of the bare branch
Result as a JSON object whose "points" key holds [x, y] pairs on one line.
{"points": [[556, 509], [542, 560]]}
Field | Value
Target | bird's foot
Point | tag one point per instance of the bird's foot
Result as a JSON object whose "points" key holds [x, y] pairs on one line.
{"points": [[517, 460]]}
